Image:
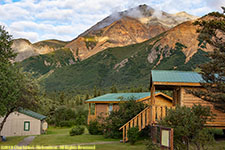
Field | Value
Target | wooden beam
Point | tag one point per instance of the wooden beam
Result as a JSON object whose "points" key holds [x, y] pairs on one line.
{"points": [[177, 83], [89, 109], [152, 96], [139, 122], [143, 120], [127, 128], [124, 135]]}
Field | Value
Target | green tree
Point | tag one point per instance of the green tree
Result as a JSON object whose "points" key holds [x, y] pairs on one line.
{"points": [[6, 52], [113, 89], [95, 92], [17, 89], [212, 31], [87, 97], [188, 124], [127, 110]]}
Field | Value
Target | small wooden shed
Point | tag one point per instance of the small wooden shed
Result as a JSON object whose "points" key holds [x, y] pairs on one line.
{"points": [[24, 122], [101, 106]]}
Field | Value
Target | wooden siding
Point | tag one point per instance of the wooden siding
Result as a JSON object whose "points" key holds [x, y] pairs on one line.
{"points": [[101, 110], [14, 125], [189, 100], [160, 100]]}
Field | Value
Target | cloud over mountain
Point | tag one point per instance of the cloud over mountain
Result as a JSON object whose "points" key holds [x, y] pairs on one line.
{"points": [[40, 19]]}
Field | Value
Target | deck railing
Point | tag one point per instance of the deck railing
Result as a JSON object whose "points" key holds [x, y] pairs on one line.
{"points": [[149, 116]]}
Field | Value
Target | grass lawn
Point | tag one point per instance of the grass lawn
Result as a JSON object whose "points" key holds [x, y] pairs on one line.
{"points": [[121, 146], [11, 141], [60, 136]]}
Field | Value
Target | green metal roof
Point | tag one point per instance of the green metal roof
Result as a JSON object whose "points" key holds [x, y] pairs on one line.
{"points": [[176, 76], [32, 114], [119, 96]]}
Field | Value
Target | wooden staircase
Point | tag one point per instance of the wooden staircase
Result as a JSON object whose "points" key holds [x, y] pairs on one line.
{"points": [[149, 116]]}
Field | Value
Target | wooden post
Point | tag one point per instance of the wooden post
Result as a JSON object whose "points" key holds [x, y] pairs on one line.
{"points": [[124, 135], [148, 116], [139, 122], [127, 128], [89, 109], [152, 114], [163, 111], [89, 113], [131, 123], [171, 139], [154, 134], [152, 95], [143, 120], [135, 121]]}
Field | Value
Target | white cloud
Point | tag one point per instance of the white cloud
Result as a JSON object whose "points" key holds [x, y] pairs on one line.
{"points": [[43, 19], [32, 36]]}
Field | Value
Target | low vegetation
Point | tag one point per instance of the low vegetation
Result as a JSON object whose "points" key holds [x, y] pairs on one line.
{"points": [[95, 128], [76, 130], [188, 124], [133, 135]]}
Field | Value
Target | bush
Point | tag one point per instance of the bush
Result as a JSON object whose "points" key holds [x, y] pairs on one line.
{"points": [[188, 124], [95, 128], [133, 134], [150, 145], [77, 130]]}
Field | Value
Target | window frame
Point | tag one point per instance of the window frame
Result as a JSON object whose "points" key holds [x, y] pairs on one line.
{"points": [[26, 129]]}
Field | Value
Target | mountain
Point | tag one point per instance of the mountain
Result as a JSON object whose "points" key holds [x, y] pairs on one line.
{"points": [[25, 49], [128, 66], [178, 48], [132, 26]]}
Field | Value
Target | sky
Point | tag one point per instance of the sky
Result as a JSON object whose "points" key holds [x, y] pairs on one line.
{"points": [[38, 20]]}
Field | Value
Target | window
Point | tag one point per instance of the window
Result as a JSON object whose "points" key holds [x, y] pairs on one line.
{"points": [[110, 108], [92, 109], [27, 126]]}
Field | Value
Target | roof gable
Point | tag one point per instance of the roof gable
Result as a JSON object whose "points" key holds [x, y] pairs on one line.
{"points": [[32, 114], [176, 76]]}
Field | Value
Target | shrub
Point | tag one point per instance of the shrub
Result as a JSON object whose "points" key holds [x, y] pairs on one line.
{"points": [[188, 124], [95, 128], [77, 130], [202, 138], [133, 134], [150, 145]]}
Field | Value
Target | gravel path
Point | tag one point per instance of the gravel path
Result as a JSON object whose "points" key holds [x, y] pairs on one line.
{"points": [[26, 141]]}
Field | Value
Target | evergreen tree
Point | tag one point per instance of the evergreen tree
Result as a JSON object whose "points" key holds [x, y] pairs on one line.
{"points": [[212, 31], [87, 96], [113, 89], [99, 93], [95, 92], [62, 98]]}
